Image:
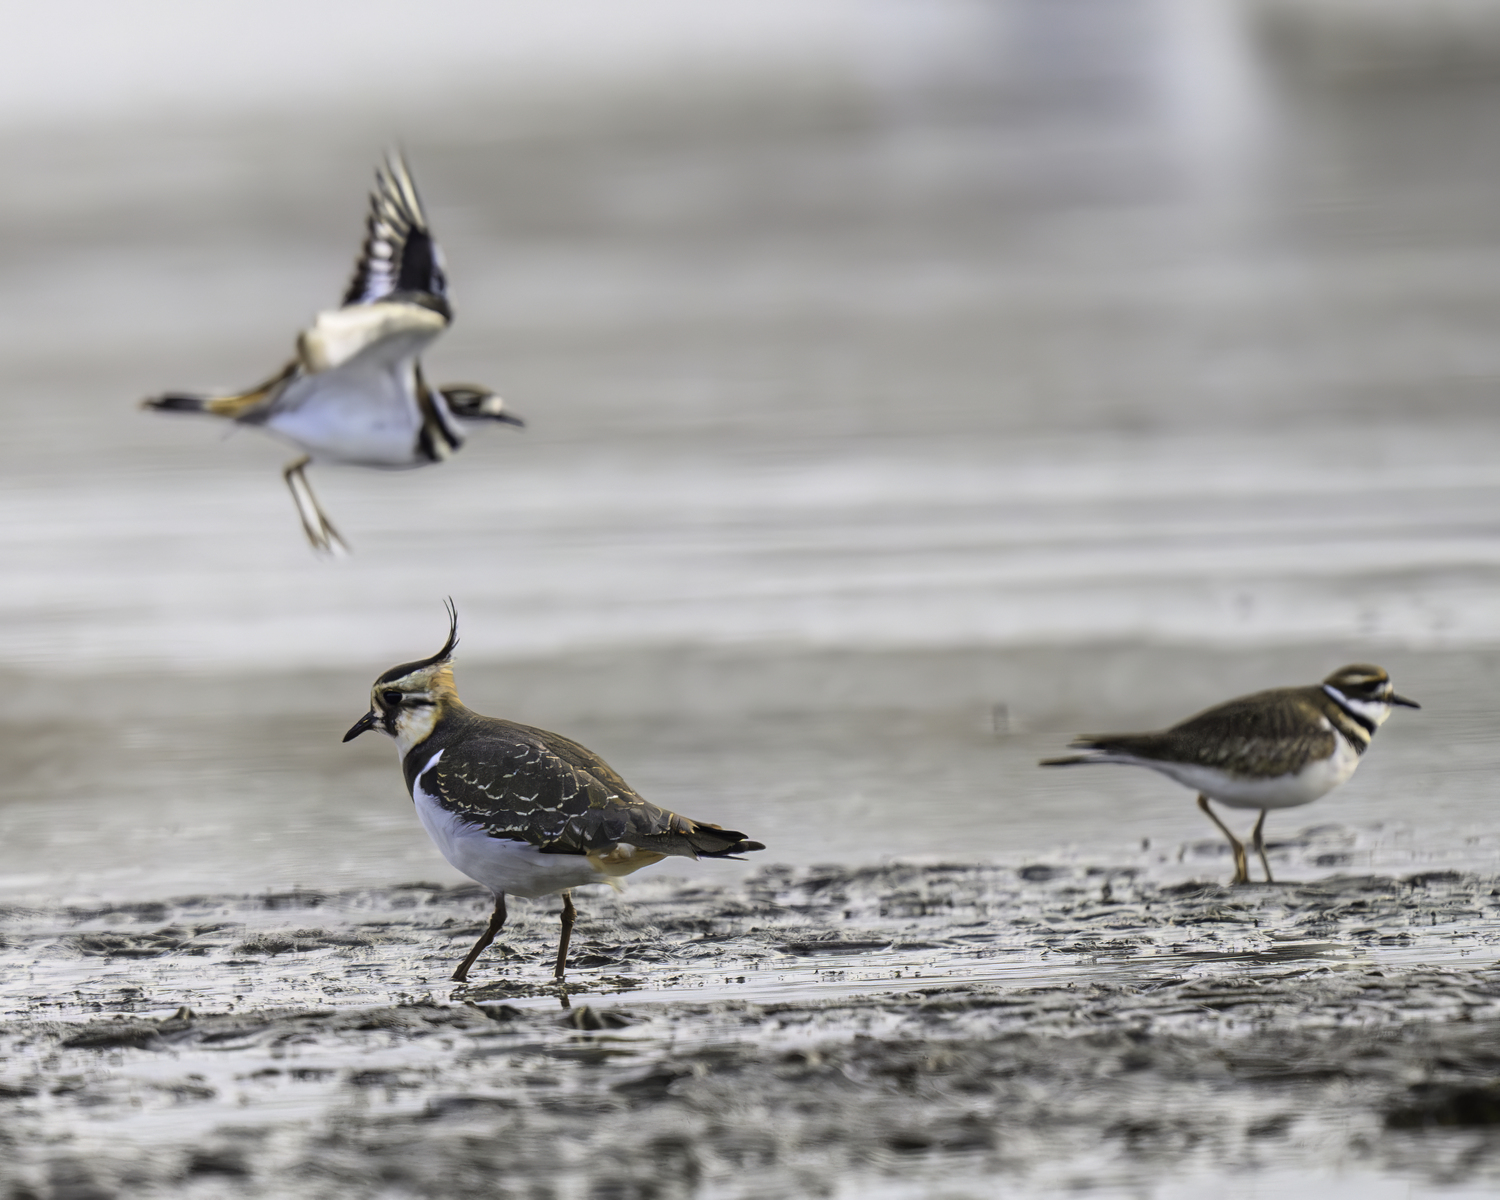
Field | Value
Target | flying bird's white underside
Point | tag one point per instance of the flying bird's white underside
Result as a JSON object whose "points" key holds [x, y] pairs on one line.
{"points": [[354, 401]]}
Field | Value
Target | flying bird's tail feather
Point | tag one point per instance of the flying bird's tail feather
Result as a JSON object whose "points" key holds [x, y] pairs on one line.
{"points": [[232, 407], [176, 402], [215, 406]]}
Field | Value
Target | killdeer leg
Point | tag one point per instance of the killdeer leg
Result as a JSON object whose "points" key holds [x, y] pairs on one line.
{"points": [[497, 919], [307, 507], [315, 523], [568, 914], [1241, 862], [1260, 845]]}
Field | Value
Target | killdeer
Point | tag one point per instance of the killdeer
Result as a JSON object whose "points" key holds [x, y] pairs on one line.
{"points": [[1273, 749], [519, 810], [355, 393]]}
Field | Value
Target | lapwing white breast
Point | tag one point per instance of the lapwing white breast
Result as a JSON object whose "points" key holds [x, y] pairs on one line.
{"points": [[355, 392], [1274, 749], [522, 811]]}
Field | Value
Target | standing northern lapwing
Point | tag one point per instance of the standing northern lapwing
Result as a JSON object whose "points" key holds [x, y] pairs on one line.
{"points": [[1274, 749], [522, 811], [355, 391]]}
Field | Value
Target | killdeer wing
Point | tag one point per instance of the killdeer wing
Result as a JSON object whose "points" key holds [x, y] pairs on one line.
{"points": [[392, 329], [399, 256], [1266, 735], [525, 784], [397, 301]]}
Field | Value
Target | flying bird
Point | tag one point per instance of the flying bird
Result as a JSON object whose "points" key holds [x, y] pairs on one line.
{"points": [[355, 392]]}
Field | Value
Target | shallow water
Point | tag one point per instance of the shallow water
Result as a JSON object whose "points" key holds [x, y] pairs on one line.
{"points": [[135, 788]]}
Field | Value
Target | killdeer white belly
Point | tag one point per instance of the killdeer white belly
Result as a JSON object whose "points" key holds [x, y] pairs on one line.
{"points": [[522, 811], [355, 391], [1274, 749]]}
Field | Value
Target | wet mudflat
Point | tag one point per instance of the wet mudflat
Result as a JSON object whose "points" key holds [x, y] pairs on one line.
{"points": [[906, 1029]]}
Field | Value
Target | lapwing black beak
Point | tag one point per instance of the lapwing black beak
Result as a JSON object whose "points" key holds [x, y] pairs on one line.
{"points": [[510, 419], [1403, 701], [368, 721]]}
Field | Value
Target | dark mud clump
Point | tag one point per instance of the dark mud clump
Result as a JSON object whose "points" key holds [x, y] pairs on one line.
{"points": [[811, 1033]]}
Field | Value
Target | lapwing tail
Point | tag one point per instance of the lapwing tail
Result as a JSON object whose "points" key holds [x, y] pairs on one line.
{"points": [[710, 842]]}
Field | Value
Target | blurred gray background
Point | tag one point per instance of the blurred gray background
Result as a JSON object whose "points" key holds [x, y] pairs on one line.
{"points": [[909, 384]]}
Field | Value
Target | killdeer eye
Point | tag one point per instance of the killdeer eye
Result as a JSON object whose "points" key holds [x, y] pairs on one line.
{"points": [[392, 699]]}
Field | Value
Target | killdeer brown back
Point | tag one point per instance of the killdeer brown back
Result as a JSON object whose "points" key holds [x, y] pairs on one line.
{"points": [[355, 392], [1274, 749], [520, 810]]}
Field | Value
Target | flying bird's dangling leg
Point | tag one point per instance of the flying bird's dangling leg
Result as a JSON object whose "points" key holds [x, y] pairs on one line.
{"points": [[1260, 845], [568, 914], [1241, 862], [315, 523], [497, 919]]}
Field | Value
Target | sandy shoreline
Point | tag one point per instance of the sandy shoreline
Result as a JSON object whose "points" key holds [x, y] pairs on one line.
{"points": [[811, 1032]]}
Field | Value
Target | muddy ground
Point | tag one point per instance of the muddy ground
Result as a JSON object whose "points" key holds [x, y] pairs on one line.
{"points": [[902, 1030]]}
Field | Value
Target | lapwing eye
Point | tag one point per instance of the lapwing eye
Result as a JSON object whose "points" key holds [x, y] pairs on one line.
{"points": [[392, 699]]}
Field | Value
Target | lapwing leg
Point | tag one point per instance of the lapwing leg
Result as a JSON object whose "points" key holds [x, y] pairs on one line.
{"points": [[568, 915], [1241, 862], [497, 919], [315, 523], [1260, 845]]}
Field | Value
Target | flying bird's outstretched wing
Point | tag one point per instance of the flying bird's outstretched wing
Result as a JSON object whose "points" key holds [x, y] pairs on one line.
{"points": [[399, 258]]}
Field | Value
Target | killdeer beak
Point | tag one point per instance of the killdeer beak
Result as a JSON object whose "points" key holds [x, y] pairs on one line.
{"points": [[365, 722], [510, 419], [1403, 701]]}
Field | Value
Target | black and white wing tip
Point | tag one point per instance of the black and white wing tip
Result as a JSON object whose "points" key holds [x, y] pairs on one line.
{"points": [[399, 259]]}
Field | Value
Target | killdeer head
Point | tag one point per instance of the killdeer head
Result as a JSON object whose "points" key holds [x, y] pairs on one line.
{"points": [[471, 403], [1365, 693], [408, 701]]}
